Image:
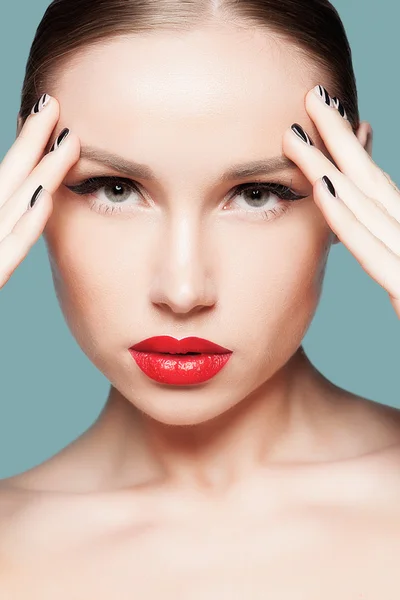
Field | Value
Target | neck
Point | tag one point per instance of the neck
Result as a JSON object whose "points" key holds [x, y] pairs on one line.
{"points": [[278, 422]]}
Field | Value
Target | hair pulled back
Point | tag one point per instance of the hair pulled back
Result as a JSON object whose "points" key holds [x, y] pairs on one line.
{"points": [[313, 27]]}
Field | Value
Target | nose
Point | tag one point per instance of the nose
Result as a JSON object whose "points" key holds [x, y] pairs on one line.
{"points": [[182, 280]]}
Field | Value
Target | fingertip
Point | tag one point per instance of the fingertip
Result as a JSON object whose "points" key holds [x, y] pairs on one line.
{"points": [[40, 196], [289, 142], [74, 149]]}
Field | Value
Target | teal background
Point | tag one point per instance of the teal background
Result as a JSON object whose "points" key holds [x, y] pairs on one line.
{"points": [[50, 392]]}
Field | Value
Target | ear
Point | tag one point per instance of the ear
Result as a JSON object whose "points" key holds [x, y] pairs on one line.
{"points": [[364, 134], [19, 124]]}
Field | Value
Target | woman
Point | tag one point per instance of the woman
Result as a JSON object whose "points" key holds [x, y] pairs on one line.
{"points": [[190, 165]]}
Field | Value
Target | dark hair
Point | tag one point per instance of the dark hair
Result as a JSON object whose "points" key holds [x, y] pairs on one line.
{"points": [[312, 26]]}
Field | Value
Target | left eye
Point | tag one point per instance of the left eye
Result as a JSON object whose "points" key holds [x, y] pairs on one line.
{"points": [[257, 191]]}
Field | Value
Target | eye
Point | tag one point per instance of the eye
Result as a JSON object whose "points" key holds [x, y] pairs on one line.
{"points": [[116, 190], [259, 197]]}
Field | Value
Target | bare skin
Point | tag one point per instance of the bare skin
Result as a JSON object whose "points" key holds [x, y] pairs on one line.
{"points": [[269, 481], [299, 530]]}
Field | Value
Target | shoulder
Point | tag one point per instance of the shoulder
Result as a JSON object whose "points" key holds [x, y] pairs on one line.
{"points": [[17, 507], [372, 442], [23, 507], [33, 523], [364, 426], [16, 502]]}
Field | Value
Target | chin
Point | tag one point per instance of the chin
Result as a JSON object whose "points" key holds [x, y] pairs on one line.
{"points": [[184, 406]]}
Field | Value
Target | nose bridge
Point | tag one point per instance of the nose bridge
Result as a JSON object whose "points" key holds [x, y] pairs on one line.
{"points": [[182, 277]]}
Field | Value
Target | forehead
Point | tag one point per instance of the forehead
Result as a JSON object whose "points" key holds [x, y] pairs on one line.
{"points": [[217, 80]]}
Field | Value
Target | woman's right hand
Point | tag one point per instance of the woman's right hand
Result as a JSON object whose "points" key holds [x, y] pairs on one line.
{"points": [[24, 168]]}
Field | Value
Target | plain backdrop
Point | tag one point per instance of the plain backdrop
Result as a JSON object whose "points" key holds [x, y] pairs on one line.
{"points": [[50, 393]]}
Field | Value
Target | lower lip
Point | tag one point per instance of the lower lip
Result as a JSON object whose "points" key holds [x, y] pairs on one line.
{"points": [[174, 369]]}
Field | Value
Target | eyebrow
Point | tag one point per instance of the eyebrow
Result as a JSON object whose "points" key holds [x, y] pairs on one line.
{"points": [[140, 171]]}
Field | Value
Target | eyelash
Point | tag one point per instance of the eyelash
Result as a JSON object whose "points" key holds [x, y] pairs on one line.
{"points": [[93, 184]]}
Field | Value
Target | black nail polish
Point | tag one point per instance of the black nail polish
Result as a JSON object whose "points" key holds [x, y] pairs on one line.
{"points": [[339, 107], [60, 139], [40, 104], [35, 196], [299, 131], [329, 186], [324, 95]]}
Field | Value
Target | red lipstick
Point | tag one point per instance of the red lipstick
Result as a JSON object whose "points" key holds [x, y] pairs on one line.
{"points": [[168, 360]]}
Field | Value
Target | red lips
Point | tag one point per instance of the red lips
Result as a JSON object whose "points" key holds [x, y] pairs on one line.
{"points": [[166, 360], [170, 345]]}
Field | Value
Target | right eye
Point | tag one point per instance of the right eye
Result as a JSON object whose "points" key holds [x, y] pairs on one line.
{"points": [[119, 187]]}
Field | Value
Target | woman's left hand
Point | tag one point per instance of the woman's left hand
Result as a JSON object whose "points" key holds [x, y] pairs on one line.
{"points": [[365, 214]]}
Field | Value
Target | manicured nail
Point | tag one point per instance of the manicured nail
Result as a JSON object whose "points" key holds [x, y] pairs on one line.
{"points": [[299, 131], [40, 104], [60, 139], [35, 196], [329, 186], [337, 104], [323, 94]]}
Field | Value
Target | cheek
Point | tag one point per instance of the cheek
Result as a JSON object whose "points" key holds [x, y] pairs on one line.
{"points": [[275, 280], [93, 272]]}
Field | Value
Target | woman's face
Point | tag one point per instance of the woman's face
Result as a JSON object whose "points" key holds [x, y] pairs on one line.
{"points": [[185, 253]]}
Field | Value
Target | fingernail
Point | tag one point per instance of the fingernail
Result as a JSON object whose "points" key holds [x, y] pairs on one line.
{"points": [[329, 186], [299, 131], [60, 139], [337, 104], [35, 196], [40, 104], [323, 94]]}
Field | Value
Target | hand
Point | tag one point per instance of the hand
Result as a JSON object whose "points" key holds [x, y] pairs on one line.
{"points": [[365, 214], [25, 174]]}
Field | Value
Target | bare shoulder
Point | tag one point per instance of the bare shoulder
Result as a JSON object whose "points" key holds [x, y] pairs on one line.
{"points": [[16, 505], [15, 502], [363, 425], [363, 468], [34, 523], [381, 414], [29, 512], [37, 519]]}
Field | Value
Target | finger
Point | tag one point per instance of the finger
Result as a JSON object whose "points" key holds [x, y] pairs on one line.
{"points": [[28, 148], [339, 139], [370, 213], [348, 153], [373, 255], [49, 173], [16, 245], [391, 182]]}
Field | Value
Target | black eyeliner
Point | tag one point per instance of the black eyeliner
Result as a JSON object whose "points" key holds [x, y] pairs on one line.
{"points": [[282, 191], [92, 184]]}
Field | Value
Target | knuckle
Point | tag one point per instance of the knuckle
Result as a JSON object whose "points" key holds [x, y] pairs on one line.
{"points": [[375, 176]]}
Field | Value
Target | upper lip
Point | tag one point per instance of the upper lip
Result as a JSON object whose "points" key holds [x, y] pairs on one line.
{"points": [[171, 345]]}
